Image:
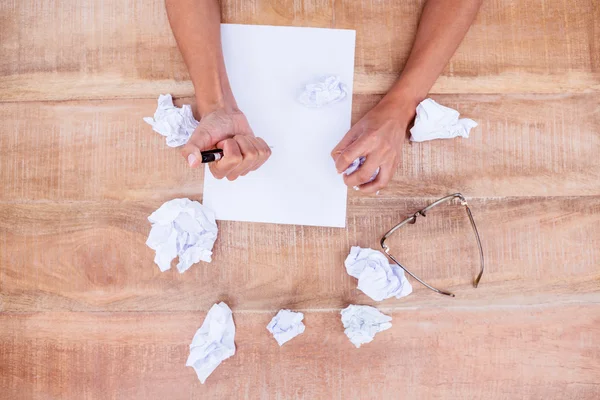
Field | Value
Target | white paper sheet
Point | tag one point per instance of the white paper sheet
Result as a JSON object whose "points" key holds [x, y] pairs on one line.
{"points": [[268, 68]]}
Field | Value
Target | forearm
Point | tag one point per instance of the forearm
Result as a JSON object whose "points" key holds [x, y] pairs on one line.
{"points": [[196, 25], [442, 27]]}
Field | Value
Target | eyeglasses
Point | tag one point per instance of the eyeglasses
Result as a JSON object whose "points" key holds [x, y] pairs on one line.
{"points": [[413, 219]]}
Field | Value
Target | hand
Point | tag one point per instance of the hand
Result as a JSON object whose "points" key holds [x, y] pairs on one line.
{"points": [[227, 130], [379, 137]]}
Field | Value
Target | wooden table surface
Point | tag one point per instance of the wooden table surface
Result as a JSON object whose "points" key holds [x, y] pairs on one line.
{"points": [[85, 313]]}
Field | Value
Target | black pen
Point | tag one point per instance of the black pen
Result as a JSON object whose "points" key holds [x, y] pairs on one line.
{"points": [[211, 155]]}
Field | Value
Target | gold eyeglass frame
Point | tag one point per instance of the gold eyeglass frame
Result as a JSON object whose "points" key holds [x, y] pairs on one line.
{"points": [[413, 219]]}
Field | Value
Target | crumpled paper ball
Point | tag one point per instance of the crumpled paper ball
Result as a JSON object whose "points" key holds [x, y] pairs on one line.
{"points": [[377, 278], [326, 91], [183, 228], [361, 323], [175, 123], [435, 121], [286, 325], [213, 342]]}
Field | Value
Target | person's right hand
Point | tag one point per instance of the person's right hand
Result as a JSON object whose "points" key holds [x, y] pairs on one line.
{"points": [[227, 130]]}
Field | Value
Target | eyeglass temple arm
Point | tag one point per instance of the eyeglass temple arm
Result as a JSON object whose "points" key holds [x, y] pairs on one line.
{"points": [[417, 278], [413, 218], [476, 282], [463, 201]]}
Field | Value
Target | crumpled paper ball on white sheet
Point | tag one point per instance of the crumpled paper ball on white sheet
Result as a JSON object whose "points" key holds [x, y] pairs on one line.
{"points": [[286, 325], [213, 342], [183, 228], [326, 91], [377, 278], [361, 323], [435, 121], [176, 124]]}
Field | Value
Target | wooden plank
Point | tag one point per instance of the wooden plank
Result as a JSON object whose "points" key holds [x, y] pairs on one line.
{"points": [[91, 256], [513, 46], [124, 49], [548, 352], [90, 150], [112, 49], [524, 146]]}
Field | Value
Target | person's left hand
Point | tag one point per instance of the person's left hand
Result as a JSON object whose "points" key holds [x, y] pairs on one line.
{"points": [[379, 137]]}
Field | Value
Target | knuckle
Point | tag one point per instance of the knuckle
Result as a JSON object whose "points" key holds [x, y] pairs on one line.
{"points": [[236, 159], [344, 161], [252, 155], [372, 138]]}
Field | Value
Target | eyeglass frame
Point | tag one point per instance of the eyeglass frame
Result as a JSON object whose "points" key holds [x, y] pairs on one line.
{"points": [[413, 219]]}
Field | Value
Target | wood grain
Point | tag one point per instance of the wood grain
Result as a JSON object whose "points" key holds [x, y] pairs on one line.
{"points": [[85, 313], [524, 47], [534, 145], [91, 256], [541, 46], [88, 150], [508, 353]]}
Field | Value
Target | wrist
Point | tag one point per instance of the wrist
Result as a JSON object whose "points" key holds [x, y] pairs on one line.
{"points": [[205, 106], [218, 101], [404, 106], [217, 95], [407, 94]]}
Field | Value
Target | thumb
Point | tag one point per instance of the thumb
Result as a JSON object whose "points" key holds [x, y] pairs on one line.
{"points": [[199, 141]]}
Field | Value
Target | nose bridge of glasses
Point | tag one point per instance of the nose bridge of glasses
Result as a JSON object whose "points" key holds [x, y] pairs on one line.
{"points": [[409, 220]]}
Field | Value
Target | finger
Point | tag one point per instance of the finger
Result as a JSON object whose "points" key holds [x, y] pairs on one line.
{"points": [[232, 157], [366, 171], [386, 172], [199, 141], [249, 157], [361, 147], [264, 152], [346, 141]]}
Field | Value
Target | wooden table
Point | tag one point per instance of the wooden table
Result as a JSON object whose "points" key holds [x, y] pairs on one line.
{"points": [[85, 314]]}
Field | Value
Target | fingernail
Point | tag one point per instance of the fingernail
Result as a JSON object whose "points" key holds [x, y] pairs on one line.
{"points": [[377, 193], [356, 188], [191, 159]]}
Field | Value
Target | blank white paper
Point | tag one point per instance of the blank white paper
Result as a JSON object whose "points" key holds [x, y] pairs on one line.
{"points": [[268, 68]]}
